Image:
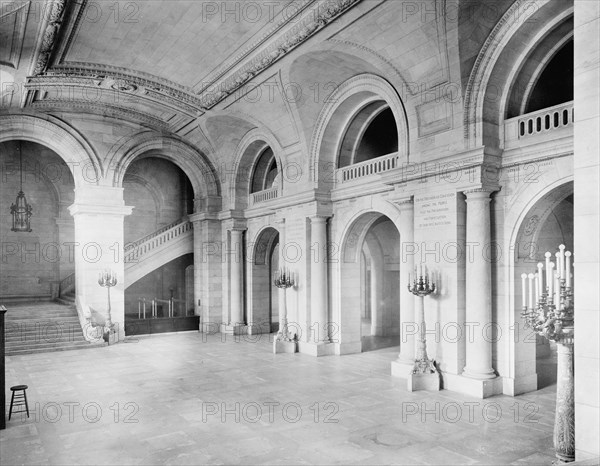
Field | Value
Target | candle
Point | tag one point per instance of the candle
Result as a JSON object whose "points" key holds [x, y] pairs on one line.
{"points": [[562, 261], [536, 283], [408, 278], [557, 290], [540, 290], [558, 264], [548, 273], [530, 276], [524, 289], [568, 269]]}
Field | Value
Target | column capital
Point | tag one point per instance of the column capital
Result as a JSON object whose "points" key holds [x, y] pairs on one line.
{"points": [[404, 203], [319, 218], [479, 193]]}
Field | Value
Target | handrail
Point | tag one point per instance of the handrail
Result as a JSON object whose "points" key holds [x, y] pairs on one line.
{"points": [[264, 195], [539, 122], [135, 250], [368, 167], [66, 284], [154, 234], [154, 308]]}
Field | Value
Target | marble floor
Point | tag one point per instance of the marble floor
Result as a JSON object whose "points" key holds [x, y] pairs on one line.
{"points": [[189, 398]]}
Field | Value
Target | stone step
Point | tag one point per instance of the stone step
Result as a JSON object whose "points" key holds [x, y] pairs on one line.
{"points": [[74, 335], [43, 326], [39, 349]]}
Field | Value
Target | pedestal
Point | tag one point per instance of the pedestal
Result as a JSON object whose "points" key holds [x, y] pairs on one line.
{"points": [[283, 346], [429, 382], [564, 422]]}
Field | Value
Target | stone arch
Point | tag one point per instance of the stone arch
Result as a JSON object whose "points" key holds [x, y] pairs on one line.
{"points": [[521, 351], [343, 104], [65, 141], [346, 278], [482, 102], [262, 301], [195, 165], [246, 157], [541, 67], [551, 27]]}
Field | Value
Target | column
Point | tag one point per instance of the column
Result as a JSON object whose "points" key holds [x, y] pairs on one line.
{"points": [[208, 263], [99, 214], [282, 305], [318, 286], [407, 299], [236, 278], [479, 287]]}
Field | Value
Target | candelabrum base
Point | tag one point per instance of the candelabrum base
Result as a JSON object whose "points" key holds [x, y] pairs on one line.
{"points": [[284, 346], [402, 368], [428, 382], [234, 329]]}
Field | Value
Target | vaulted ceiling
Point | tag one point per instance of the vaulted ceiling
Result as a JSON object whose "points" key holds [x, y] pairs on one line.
{"points": [[159, 62]]}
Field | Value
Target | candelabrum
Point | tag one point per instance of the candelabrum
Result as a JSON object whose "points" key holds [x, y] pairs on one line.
{"points": [[421, 287], [548, 309], [107, 279], [283, 280]]}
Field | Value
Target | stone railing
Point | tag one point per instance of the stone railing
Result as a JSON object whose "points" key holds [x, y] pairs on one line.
{"points": [[543, 121], [368, 167], [264, 195], [66, 284], [136, 250]]}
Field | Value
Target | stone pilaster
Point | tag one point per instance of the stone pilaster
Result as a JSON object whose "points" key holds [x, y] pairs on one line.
{"points": [[236, 277], [478, 288], [208, 256], [404, 364], [99, 214]]}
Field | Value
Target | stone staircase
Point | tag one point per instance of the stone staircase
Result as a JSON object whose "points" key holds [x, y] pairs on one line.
{"points": [[41, 327]]}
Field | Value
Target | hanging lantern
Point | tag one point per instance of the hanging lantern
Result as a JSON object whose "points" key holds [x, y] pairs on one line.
{"points": [[21, 210]]}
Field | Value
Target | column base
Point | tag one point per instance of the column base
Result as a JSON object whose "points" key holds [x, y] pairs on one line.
{"points": [[519, 385], [259, 329], [284, 346], [316, 349], [478, 388], [429, 382], [237, 329], [402, 369]]}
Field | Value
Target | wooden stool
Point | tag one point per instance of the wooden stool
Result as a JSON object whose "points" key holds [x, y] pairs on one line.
{"points": [[18, 399]]}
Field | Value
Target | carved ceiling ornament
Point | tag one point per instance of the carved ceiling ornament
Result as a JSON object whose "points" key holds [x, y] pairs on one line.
{"points": [[146, 86], [49, 36], [324, 13]]}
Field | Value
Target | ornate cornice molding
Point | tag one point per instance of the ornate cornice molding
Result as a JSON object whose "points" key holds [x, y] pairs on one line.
{"points": [[221, 70], [116, 111], [315, 20], [119, 82], [48, 36]]}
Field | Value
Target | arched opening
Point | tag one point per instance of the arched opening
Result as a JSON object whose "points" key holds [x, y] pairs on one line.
{"points": [[372, 133], [264, 301], [548, 224], [265, 171], [35, 262], [370, 278], [555, 83], [162, 197], [357, 124]]}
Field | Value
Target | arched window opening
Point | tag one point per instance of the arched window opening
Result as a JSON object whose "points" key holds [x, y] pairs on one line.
{"points": [[372, 133], [555, 84], [265, 171]]}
